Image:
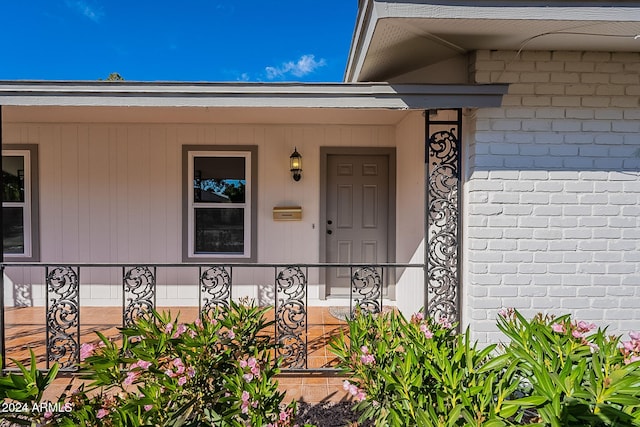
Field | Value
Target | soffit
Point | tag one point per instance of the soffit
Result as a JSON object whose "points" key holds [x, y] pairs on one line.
{"points": [[400, 36]]}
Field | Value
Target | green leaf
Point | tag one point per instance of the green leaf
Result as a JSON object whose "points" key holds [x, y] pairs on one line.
{"points": [[528, 402]]}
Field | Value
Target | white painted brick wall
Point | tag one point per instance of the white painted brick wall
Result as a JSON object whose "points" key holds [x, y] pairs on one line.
{"points": [[552, 197]]}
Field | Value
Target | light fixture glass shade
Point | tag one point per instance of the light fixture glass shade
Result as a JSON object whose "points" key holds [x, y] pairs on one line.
{"points": [[295, 163]]}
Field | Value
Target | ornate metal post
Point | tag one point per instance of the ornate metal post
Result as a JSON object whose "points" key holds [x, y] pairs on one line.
{"points": [[63, 316], [366, 286], [138, 293], [215, 289], [443, 208], [291, 316]]}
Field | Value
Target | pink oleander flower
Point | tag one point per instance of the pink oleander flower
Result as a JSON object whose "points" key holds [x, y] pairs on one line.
{"points": [[425, 330], [168, 328], [102, 413], [634, 335], [244, 407], [576, 333], [231, 334], [445, 323], [506, 312], [585, 326], [148, 407], [419, 316], [142, 364], [252, 362], [191, 371], [255, 371], [345, 385], [285, 415], [243, 363], [192, 333], [245, 396], [180, 368], [364, 349], [631, 359], [132, 376], [48, 415], [198, 323], [361, 396], [181, 329], [248, 377], [353, 389], [559, 328], [367, 359], [86, 350], [182, 380]]}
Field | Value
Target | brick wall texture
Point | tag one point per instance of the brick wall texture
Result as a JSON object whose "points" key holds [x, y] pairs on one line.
{"points": [[552, 191]]}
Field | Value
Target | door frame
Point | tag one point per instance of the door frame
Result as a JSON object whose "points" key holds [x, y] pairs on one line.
{"points": [[390, 152]]}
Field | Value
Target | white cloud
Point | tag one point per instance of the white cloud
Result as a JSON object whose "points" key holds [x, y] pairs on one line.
{"points": [[90, 11], [306, 64]]}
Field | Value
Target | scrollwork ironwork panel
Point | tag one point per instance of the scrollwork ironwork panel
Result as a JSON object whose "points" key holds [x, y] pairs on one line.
{"points": [[215, 289], [366, 289], [443, 218], [63, 316], [291, 316], [138, 293]]}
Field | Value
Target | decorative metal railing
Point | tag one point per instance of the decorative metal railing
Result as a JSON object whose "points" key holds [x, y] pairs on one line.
{"points": [[63, 287], [443, 213]]}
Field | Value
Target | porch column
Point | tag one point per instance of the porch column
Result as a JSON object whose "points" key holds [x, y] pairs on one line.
{"points": [[443, 130]]}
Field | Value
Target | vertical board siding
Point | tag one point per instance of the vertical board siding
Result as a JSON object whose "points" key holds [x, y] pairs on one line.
{"points": [[112, 192]]}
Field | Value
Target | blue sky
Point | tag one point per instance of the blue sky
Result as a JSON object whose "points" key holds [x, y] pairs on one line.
{"points": [[190, 40]]}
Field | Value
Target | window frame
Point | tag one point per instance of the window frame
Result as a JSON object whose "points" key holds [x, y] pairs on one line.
{"points": [[30, 204], [190, 152]]}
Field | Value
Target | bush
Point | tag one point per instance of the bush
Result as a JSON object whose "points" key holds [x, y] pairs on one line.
{"points": [[577, 377], [553, 372], [215, 371]]}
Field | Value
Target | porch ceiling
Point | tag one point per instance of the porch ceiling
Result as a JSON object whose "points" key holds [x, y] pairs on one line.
{"points": [[399, 36]]}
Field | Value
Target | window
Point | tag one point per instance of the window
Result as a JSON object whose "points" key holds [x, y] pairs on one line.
{"points": [[220, 206], [19, 202]]}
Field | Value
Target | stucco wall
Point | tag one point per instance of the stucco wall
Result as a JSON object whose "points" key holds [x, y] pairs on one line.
{"points": [[553, 191], [111, 192]]}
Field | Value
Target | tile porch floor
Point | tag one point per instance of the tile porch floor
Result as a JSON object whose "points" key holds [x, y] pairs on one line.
{"points": [[25, 329]]}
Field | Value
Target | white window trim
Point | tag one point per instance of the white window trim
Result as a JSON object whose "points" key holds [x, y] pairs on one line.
{"points": [[192, 205], [25, 205]]}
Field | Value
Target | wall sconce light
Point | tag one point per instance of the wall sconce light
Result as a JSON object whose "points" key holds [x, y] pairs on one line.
{"points": [[295, 162]]}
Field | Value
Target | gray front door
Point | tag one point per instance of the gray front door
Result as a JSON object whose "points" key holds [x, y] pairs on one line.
{"points": [[357, 216]]}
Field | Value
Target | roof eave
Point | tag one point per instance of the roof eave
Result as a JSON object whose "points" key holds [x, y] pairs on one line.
{"points": [[230, 95]]}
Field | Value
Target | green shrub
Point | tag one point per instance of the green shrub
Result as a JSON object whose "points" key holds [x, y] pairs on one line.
{"points": [[420, 372], [551, 372], [21, 394], [215, 371], [578, 376]]}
